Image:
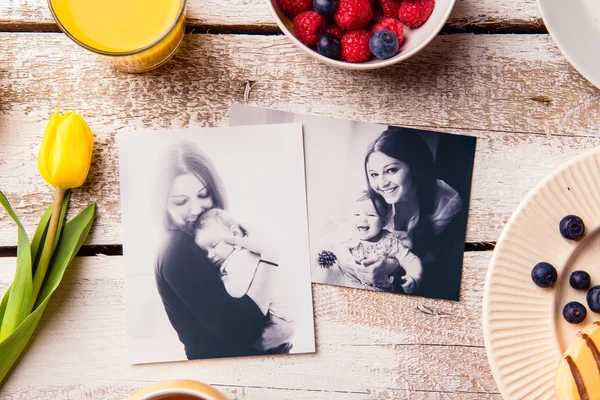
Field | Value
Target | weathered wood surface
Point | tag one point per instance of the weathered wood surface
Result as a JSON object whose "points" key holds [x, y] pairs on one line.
{"points": [[370, 346], [529, 108], [254, 15]]}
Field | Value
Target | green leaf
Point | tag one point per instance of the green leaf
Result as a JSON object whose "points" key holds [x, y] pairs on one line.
{"points": [[71, 239], [17, 306], [42, 229], [12, 347], [3, 304], [40, 236], [73, 236]]}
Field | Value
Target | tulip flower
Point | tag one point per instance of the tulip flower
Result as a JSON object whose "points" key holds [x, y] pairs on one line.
{"points": [[64, 162], [66, 151]]}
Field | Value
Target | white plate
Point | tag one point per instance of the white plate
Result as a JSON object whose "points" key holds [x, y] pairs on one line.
{"points": [[575, 27], [524, 331]]}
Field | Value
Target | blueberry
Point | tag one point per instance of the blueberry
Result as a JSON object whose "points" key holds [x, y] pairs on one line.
{"points": [[593, 299], [325, 7], [574, 312], [329, 46], [580, 280], [383, 44], [544, 275], [571, 227]]}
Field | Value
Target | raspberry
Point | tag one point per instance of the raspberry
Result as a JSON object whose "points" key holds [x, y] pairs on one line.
{"points": [[335, 30], [390, 8], [308, 26], [353, 14], [378, 15], [294, 7], [414, 13], [392, 25], [355, 46]]}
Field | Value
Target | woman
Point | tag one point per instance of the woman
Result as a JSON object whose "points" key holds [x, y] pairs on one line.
{"points": [[400, 171], [208, 321]]}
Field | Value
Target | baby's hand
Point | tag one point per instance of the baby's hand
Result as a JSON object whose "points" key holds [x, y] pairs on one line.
{"points": [[370, 261]]}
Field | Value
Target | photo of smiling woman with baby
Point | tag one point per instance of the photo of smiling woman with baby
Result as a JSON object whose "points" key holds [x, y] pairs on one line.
{"points": [[387, 205], [226, 281], [404, 231]]}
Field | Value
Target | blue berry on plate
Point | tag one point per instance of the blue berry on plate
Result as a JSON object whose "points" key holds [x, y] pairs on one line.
{"points": [[329, 45], [574, 312], [571, 227], [544, 275], [383, 44], [325, 7], [593, 299], [580, 280]]}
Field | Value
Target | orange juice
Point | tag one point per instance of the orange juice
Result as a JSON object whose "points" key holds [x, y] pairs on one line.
{"points": [[133, 35]]}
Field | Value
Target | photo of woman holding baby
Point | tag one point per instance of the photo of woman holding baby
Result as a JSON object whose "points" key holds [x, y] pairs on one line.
{"points": [[404, 185], [208, 319], [407, 228]]}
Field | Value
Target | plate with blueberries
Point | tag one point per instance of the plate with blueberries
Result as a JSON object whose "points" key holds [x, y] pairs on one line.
{"points": [[541, 305]]}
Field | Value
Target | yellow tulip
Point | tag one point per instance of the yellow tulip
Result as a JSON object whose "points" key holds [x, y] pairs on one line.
{"points": [[64, 162], [66, 151]]}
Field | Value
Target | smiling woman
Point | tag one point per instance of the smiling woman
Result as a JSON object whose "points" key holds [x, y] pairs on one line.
{"points": [[405, 233], [401, 171]]}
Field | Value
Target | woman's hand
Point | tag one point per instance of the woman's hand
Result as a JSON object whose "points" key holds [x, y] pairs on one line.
{"points": [[377, 271], [409, 285], [276, 332]]}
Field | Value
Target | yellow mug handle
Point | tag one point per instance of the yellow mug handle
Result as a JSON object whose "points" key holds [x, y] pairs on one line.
{"points": [[162, 389]]}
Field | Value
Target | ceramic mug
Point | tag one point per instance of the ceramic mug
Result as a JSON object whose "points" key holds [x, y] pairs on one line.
{"points": [[179, 390]]}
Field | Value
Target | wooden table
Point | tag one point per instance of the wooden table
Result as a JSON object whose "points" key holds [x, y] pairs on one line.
{"points": [[493, 72]]}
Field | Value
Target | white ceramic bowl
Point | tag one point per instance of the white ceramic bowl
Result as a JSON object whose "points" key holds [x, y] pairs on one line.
{"points": [[414, 39]]}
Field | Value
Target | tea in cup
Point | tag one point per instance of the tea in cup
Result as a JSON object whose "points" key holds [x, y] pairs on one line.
{"points": [[179, 390]]}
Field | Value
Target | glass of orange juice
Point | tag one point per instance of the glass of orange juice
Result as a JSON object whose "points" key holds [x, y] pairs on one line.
{"points": [[131, 35]]}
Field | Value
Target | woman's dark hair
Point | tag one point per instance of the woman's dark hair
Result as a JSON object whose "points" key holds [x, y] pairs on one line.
{"points": [[407, 146], [186, 157]]}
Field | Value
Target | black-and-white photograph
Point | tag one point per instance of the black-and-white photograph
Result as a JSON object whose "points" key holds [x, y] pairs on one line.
{"points": [[215, 242], [387, 206]]}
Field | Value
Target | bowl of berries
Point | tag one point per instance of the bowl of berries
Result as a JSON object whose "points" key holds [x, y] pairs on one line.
{"points": [[361, 34]]}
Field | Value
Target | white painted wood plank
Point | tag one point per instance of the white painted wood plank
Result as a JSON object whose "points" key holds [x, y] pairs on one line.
{"points": [[254, 14], [370, 346], [529, 108]]}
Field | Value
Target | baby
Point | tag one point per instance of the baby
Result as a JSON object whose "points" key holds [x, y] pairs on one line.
{"points": [[369, 243], [237, 265]]}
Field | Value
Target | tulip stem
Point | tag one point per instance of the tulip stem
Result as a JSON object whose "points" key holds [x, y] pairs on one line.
{"points": [[48, 248]]}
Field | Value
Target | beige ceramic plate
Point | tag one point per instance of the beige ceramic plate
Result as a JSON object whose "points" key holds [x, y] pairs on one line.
{"points": [[524, 331]]}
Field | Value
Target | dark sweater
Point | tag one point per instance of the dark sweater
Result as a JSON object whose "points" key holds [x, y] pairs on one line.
{"points": [[209, 322]]}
